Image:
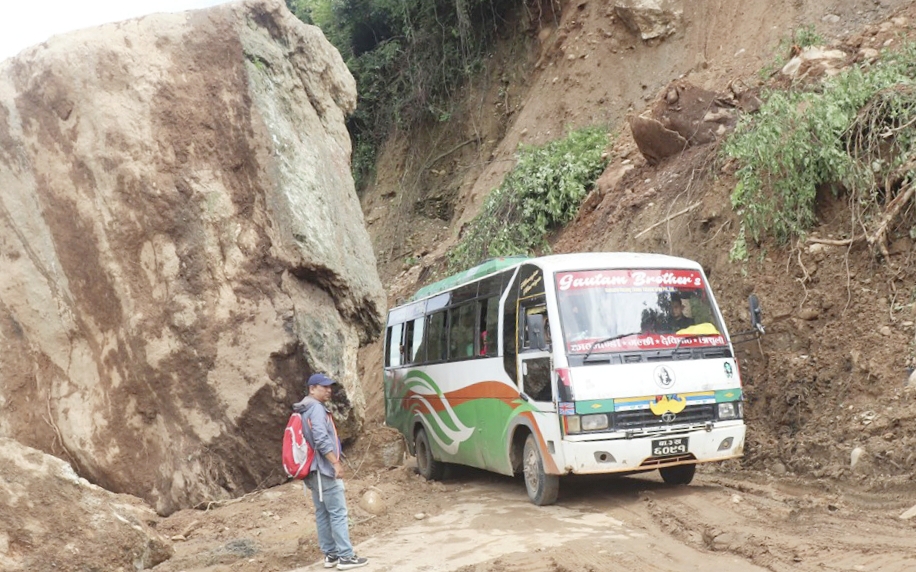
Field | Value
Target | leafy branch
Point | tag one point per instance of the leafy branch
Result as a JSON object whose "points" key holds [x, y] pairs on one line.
{"points": [[854, 133], [542, 193]]}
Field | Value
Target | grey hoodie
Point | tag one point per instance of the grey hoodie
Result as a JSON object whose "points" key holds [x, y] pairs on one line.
{"points": [[318, 429]]}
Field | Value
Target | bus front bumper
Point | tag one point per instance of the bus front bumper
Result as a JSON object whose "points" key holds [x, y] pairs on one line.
{"points": [[590, 455]]}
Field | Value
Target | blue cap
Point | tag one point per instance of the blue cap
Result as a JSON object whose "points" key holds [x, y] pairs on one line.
{"points": [[320, 379]]}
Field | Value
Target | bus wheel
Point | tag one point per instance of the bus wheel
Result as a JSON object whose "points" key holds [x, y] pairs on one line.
{"points": [[542, 488], [679, 475], [431, 469]]}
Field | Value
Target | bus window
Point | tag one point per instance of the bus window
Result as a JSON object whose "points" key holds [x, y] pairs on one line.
{"points": [[489, 322], [525, 331], [437, 337], [414, 337], [640, 308], [395, 346], [406, 342], [536, 379], [510, 325], [461, 332], [387, 347]]}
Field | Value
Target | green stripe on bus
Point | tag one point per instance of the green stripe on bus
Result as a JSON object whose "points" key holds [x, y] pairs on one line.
{"points": [[723, 395], [595, 406]]}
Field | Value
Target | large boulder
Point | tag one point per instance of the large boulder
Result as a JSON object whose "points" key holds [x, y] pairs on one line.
{"points": [[54, 520], [181, 245], [650, 18], [685, 115]]}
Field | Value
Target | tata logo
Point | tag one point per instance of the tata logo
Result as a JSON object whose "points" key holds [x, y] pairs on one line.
{"points": [[664, 377], [668, 417]]}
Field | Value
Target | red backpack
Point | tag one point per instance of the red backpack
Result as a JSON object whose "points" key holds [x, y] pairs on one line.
{"points": [[297, 453]]}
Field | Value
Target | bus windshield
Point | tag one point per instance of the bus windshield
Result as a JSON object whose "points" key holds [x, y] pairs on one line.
{"points": [[645, 309]]}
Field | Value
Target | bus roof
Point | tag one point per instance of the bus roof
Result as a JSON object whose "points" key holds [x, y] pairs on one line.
{"points": [[469, 275], [559, 263], [612, 261]]}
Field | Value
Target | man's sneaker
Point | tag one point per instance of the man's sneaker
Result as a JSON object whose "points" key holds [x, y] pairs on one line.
{"points": [[330, 560], [351, 562]]}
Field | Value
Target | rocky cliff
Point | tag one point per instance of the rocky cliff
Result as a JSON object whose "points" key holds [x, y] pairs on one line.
{"points": [[181, 245]]}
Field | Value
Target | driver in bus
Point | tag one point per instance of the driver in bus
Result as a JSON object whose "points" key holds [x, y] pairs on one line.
{"points": [[679, 321]]}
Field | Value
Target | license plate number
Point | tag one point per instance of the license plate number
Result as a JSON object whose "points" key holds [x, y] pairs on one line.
{"points": [[668, 447]]}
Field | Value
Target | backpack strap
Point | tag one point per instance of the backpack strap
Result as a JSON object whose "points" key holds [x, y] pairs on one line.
{"points": [[336, 438]]}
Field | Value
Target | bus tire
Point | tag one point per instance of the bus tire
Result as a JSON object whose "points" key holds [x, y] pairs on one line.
{"points": [[679, 474], [542, 488], [429, 468]]}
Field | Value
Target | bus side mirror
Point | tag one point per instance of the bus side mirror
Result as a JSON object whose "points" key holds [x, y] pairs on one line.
{"points": [[535, 325], [756, 321]]}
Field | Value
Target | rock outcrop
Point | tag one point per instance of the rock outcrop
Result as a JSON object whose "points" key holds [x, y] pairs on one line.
{"points": [[650, 18], [54, 520], [814, 62], [181, 246], [684, 115]]}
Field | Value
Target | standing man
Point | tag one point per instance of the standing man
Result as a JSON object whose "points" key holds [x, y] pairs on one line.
{"points": [[325, 478]]}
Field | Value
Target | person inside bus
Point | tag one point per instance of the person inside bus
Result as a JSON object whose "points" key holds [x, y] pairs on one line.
{"points": [[678, 320]]}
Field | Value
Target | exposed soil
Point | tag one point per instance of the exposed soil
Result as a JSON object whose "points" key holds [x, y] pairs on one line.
{"points": [[730, 518], [829, 475]]}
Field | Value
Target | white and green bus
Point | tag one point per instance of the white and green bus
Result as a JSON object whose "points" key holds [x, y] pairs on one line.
{"points": [[566, 364]]}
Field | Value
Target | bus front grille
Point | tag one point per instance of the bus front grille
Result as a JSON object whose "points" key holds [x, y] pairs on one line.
{"points": [[645, 419]]}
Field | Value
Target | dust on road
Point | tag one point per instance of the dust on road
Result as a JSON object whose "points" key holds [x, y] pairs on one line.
{"points": [[724, 521]]}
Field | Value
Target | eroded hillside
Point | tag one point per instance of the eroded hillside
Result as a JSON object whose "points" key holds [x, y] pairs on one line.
{"points": [[830, 376]]}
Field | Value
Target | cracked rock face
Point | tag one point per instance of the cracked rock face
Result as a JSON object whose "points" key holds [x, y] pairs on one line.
{"points": [[181, 246]]}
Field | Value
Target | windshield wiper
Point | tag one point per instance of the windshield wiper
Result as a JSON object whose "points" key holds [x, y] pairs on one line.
{"points": [[606, 340]]}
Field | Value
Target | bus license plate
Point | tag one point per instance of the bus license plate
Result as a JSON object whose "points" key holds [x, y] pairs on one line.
{"points": [[668, 447]]}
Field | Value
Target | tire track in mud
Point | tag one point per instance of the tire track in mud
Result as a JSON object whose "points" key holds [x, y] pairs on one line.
{"points": [[492, 527], [803, 530], [742, 522]]}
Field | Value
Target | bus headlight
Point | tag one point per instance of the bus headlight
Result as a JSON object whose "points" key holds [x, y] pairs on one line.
{"points": [[581, 423], [594, 422], [572, 424], [730, 410]]}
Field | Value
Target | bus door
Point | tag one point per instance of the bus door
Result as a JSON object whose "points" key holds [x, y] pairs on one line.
{"points": [[535, 364], [536, 379]]}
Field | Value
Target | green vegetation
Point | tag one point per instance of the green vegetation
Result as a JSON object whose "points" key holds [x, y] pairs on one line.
{"points": [[853, 133], [806, 36], [409, 57], [738, 252], [540, 194]]}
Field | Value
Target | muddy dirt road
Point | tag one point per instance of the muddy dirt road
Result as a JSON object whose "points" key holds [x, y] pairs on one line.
{"points": [[723, 521]]}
